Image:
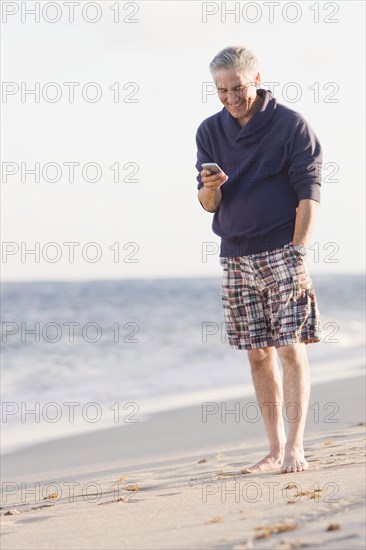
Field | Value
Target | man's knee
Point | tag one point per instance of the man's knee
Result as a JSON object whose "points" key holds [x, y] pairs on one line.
{"points": [[291, 353], [260, 356]]}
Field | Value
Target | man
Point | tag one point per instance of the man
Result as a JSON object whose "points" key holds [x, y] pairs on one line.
{"points": [[265, 201]]}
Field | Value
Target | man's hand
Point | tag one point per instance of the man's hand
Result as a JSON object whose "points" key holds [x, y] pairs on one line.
{"points": [[210, 195], [213, 181]]}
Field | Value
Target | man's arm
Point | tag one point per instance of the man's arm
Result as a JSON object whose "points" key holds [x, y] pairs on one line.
{"points": [[210, 194], [305, 220], [210, 198]]}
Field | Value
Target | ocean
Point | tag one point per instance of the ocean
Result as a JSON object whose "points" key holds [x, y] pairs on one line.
{"points": [[85, 355]]}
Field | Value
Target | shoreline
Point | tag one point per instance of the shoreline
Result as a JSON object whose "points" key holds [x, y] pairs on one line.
{"points": [[147, 408]]}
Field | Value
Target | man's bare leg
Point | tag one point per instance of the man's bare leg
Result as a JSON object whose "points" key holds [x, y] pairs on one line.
{"points": [[268, 388], [296, 389]]}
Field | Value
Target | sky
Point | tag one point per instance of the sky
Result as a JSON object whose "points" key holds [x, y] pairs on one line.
{"points": [[131, 209]]}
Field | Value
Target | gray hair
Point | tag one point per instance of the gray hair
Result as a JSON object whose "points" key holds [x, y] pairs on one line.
{"points": [[235, 57]]}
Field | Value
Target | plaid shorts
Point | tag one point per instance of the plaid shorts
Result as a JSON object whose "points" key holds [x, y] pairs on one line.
{"points": [[269, 300]]}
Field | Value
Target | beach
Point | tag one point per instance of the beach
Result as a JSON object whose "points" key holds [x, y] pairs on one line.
{"points": [[174, 481], [128, 421]]}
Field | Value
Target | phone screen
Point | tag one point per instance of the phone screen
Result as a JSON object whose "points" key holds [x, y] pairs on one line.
{"points": [[212, 166]]}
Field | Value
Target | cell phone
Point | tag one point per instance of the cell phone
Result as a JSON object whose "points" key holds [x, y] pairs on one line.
{"points": [[212, 166]]}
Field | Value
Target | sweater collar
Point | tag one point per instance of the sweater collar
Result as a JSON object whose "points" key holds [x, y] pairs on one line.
{"points": [[255, 128]]}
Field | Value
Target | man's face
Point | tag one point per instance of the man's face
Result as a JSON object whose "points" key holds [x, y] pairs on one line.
{"points": [[236, 92]]}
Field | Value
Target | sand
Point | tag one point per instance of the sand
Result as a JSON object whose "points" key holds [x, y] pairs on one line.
{"points": [[175, 482]]}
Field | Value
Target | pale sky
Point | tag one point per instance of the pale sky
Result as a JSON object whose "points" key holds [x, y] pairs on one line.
{"points": [[157, 220]]}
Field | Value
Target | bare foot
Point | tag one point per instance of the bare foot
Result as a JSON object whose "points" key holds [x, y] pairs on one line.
{"points": [[294, 461], [268, 463]]}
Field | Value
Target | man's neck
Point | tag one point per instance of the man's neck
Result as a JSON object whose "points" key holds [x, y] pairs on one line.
{"points": [[254, 108]]}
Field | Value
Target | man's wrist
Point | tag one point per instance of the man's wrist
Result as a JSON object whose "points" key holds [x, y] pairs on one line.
{"points": [[211, 188]]}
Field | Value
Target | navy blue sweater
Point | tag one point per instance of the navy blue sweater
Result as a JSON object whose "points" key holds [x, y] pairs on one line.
{"points": [[272, 162]]}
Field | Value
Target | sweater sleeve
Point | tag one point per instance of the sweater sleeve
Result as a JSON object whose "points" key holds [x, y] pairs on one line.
{"points": [[304, 163], [204, 153]]}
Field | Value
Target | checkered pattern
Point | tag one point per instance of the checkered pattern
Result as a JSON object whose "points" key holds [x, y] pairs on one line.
{"points": [[269, 300]]}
